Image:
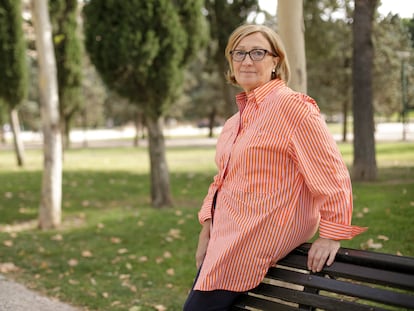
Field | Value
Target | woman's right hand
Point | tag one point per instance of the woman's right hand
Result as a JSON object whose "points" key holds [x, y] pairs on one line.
{"points": [[203, 240]]}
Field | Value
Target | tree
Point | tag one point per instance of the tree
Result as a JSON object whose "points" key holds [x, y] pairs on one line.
{"points": [[390, 35], [291, 29], [329, 66], [51, 197], [223, 18], [68, 53], [141, 49], [13, 80], [364, 164]]}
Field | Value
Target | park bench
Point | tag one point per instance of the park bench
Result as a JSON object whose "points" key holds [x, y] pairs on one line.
{"points": [[357, 280]]}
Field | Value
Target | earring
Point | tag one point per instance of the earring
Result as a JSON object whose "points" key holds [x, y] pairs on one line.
{"points": [[274, 73]]}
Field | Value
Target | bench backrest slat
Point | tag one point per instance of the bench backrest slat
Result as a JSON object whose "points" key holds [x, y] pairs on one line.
{"points": [[309, 298], [382, 261], [358, 280], [261, 304], [356, 272], [340, 287]]}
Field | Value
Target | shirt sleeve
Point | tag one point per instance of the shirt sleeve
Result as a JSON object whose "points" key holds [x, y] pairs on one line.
{"points": [[326, 176]]}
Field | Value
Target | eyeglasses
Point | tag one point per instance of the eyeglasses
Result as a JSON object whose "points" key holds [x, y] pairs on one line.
{"points": [[255, 54]]}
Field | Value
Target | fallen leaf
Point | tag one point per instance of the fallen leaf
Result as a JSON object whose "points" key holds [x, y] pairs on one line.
{"points": [[135, 308], [115, 240], [160, 308], [124, 276], [8, 195], [105, 295], [57, 237], [73, 262], [8, 267], [371, 244], [167, 254], [128, 266], [143, 259], [122, 251], [100, 226], [44, 265], [87, 254], [8, 243], [73, 282], [175, 233], [365, 210], [382, 237], [170, 272]]}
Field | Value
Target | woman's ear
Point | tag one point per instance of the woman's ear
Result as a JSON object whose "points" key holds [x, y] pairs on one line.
{"points": [[276, 60]]}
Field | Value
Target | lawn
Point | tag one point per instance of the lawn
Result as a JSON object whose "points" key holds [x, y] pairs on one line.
{"points": [[115, 252]]}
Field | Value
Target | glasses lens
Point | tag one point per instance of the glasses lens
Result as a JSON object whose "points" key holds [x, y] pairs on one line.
{"points": [[257, 54], [238, 55]]}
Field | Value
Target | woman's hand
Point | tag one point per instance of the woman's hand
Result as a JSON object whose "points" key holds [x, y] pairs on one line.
{"points": [[322, 251], [203, 240]]}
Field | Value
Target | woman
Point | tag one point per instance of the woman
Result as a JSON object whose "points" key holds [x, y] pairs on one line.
{"points": [[280, 177]]}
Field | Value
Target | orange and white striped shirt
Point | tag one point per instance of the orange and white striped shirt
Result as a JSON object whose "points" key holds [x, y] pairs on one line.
{"points": [[280, 175]]}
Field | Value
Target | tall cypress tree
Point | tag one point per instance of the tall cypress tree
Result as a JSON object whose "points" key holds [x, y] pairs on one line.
{"points": [[68, 53], [13, 69], [140, 49]]}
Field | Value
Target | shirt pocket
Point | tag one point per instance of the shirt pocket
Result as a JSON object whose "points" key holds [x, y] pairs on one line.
{"points": [[263, 162]]}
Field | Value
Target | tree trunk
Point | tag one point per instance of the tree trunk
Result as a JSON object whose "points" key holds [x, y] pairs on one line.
{"points": [[345, 120], [2, 136], [291, 28], [18, 143], [364, 165], [51, 200], [211, 122], [137, 124], [160, 181]]}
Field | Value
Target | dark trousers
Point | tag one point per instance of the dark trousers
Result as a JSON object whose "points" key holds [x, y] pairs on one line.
{"points": [[216, 300]]}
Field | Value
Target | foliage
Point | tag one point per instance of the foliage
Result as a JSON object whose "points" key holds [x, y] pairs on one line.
{"points": [[390, 37], [141, 47], [223, 18], [68, 54], [329, 59], [328, 49], [13, 83], [114, 252]]}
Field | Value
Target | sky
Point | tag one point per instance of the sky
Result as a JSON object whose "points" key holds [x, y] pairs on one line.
{"points": [[404, 8]]}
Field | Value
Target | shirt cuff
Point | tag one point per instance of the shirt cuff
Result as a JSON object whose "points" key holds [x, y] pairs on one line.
{"points": [[335, 231], [206, 209]]}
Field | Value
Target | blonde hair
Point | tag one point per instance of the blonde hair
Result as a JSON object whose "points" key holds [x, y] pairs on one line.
{"points": [[282, 70]]}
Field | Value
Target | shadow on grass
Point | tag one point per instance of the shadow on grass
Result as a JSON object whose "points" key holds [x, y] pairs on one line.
{"points": [[85, 191]]}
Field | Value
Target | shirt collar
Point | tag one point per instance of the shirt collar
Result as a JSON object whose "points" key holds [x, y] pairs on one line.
{"points": [[258, 94]]}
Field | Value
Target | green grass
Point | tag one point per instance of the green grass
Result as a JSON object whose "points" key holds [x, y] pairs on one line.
{"points": [[115, 252]]}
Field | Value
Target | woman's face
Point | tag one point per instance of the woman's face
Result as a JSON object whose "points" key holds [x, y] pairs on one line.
{"points": [[250, 74]]}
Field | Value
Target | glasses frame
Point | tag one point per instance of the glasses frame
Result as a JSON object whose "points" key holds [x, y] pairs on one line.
{"points": [[266, 52]]}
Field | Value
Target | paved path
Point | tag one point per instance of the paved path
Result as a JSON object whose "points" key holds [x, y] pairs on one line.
{"points": [[16, 297]]}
